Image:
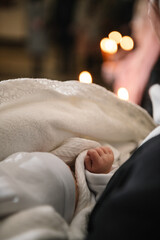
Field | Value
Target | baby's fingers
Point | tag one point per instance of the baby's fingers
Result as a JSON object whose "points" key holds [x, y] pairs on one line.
{"points": [[100, 151], [95, 160], [93, 154], [106, 149], [88, 163]]}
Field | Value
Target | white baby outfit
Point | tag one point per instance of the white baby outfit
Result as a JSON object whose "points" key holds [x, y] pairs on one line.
{"points": [[34, 179]]}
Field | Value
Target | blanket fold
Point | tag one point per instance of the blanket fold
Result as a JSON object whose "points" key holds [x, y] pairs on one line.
{"points": [[40, 114], [66, 119]]}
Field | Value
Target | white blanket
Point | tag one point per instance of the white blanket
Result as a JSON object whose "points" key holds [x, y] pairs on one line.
{"points": [[39, 114], [65, 118]]}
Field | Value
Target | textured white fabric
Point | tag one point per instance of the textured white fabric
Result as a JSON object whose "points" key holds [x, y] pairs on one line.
{"points": [[39, 114], [39, 223], [66, 119], [33, 228], [98, 182], [33, 179]]}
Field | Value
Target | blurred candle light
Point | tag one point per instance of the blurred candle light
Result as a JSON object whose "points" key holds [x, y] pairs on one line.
{"points": [[108, 46], [85, 77], [127, 43], [122, 93], [116, 36]]}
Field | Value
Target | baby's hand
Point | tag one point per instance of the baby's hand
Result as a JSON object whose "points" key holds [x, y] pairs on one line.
{"points": [[99, 160]]}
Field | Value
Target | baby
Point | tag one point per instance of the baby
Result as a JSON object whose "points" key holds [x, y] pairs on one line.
{"points": [[40, 178]]}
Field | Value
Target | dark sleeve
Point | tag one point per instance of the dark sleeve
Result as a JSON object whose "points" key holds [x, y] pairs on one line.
{"points": [[130, 205]]}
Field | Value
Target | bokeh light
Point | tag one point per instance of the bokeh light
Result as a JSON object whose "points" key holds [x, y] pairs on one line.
{"points": [[85, 77], [108, 46], [122, 93], [127, 43], [116, 36]]}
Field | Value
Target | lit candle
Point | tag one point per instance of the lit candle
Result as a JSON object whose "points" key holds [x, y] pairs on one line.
{"points": [[122, 93], [85, 77], [127, 43], [116, 36], [108, 48], [108, 45]]}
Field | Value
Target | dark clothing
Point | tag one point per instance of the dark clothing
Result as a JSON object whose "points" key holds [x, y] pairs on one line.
{"points": [[129, 208]]}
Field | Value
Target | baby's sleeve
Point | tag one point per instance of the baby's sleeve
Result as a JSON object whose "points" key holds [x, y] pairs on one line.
{"points": [[98, 182]]}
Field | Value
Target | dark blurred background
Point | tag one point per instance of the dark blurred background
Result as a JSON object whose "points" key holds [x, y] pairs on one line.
{"points": [[57, 39]]}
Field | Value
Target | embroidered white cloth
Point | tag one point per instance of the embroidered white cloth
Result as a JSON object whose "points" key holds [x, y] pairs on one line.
{"points": [[64, 118]]}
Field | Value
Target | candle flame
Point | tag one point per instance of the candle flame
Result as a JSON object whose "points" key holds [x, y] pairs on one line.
{"points": [[108, 46], [127, 43], [116, 36], [85, 77], [122, 93]]}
